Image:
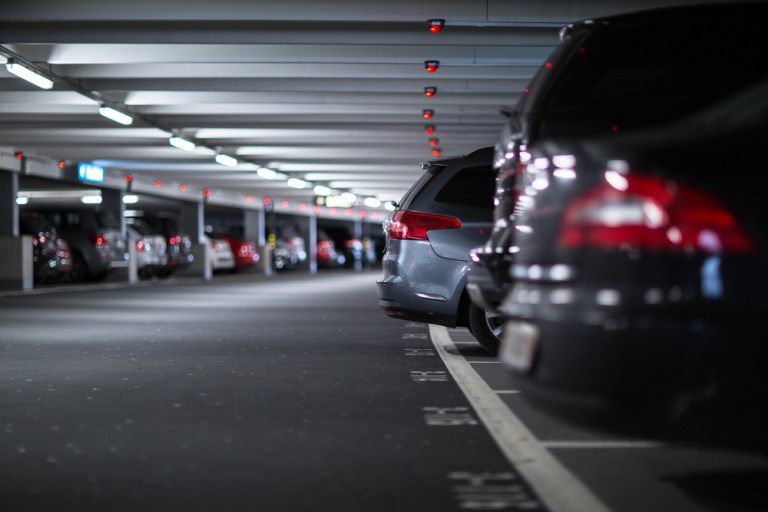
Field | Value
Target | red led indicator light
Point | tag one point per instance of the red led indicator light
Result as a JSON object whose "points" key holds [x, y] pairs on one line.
{"points": [[436, 152], [429, 129], [127, 177], [248, 198], [435, 26], [547, 64], [431, 65], [61, 164], [158, 183], [302, 206], [206, 192], [267, 201], [434, 142], [362, 213], [427, 113], [615, 128], [430, 91], [285, 204], [19, 155], [183, 187], [347, 212]]}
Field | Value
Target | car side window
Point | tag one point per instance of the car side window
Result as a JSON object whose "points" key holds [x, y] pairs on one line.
{"points": [[471, 186]]}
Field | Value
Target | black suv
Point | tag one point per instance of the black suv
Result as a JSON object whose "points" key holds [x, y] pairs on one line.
{"points": [[94, 236], [613, 75], [443, 215]]}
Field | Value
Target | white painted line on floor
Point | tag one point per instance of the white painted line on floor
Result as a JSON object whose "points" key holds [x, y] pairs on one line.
{"points": [[484, 362], [505, 391], [608, 444], [558, 488]]}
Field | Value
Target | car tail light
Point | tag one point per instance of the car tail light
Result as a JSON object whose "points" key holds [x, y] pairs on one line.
{"points": [[649, 212], [140, 246], [99, 241], [407, 225], [246, 251]]}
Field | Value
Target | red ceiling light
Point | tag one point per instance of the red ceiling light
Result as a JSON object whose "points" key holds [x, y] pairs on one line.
{"points": [[435, 26], [434, 141], [127, 178], [285, 204], [430, 91], [19, 155], [183, 187], [431, 65], [427, 113], [248, 198], [62, 164], [429, 129], [158, 183], [206, 192], [436, 152], [267, 201]]}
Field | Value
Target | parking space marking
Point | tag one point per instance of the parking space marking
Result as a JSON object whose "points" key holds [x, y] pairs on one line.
{"points": [[556, 487], [506, 391], [484, 362], [602, 445]]}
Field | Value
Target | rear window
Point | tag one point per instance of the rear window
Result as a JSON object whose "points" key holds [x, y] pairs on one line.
{"points": [[417, 187], [471, 186], [663, 64]]}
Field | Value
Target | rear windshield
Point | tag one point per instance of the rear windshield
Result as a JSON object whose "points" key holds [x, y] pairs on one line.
{"points": [[472, 186], [663, 64], [417, 187]]}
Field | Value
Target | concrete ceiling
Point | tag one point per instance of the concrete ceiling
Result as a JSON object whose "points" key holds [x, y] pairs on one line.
{"points": [[328, 91]]}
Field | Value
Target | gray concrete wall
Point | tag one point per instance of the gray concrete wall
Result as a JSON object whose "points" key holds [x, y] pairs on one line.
{"points": [[16, 271]]}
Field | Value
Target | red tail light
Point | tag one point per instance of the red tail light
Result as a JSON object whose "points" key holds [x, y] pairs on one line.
{"points": [[100, 241], [406, 225], [648, 212], [139, 245]]}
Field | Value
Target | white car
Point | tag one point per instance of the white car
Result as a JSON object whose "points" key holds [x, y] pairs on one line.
{"points": [[221, 254]]}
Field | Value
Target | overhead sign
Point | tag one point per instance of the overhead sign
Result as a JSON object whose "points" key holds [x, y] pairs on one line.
{"points": [[90, 172]]}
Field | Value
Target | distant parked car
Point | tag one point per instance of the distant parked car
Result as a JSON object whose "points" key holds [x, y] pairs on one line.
{"points": [[327, 255], [221, 254], [610, 76], [178, 245], [45, 246], [245, 252], [151, 257], [94, 237], [429, 234], [289, 251], [640, 287]]}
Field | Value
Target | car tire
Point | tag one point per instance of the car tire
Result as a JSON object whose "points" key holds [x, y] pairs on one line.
{"points": [[486, 326]]}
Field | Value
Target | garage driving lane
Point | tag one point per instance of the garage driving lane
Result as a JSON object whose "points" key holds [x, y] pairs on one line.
{"points": [[281, 394]]}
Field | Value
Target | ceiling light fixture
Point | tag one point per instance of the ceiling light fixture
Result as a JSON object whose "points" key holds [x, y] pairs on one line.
{"points": [[429, 129], [226, 160], [115, 115], [322, 190], [435, 25], [266, 173], [430, 91], [427, 113], [297, 183], [436, 152], [434, 141], [30, 75], [371, 202], [431, 65], [180, 143]]}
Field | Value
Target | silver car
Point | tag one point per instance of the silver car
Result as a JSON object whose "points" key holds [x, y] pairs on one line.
{"points": [[447, 212]]}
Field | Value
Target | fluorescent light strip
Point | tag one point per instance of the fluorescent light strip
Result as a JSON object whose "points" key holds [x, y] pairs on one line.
{"points": [[180, 143], [297, 183], [371, 202], [115, 115], [226, 160], [29, 75], [266, 173], [322, 190]]}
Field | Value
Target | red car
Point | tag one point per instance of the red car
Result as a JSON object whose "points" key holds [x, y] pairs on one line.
{"points": [[245, 251]]}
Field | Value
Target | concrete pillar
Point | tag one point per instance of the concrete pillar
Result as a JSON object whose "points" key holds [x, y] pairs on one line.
{"points": [[312, 245], [9, 210], [16, 271], [192, 222]]}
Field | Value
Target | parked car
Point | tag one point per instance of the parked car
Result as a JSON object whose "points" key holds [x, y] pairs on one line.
{"points": [[64, 253], [429, 234], [327, 255], [221, 254], [178, 244], [640, 288], [289, 251], [151, 256], [46, 244], [94, 237], [245, 252], [610, 76]]}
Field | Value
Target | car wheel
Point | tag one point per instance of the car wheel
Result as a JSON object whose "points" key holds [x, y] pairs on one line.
{"points": [[487, 327], [79, 269]]}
